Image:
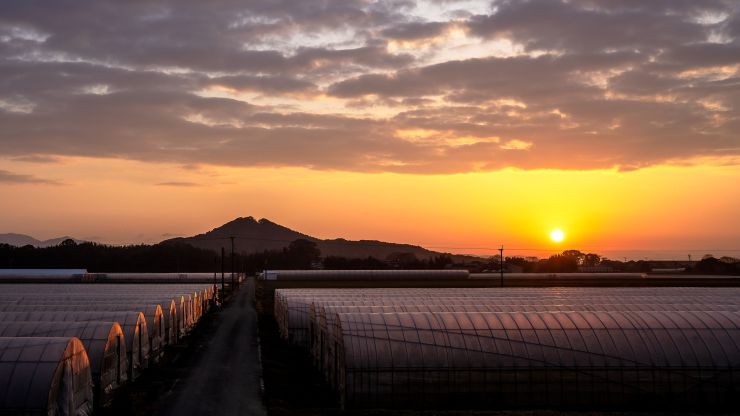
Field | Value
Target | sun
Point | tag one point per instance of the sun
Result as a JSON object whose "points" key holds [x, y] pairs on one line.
{"points": [[557, 235]]}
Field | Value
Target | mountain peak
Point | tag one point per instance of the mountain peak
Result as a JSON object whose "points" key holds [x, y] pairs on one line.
{"points": [[20, 240], [260, 235], [242, 220]]}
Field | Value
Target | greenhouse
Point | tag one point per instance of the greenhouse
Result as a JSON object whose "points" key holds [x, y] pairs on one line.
{"points": [[169, 320], [185, 309], [519, 347], [293, 308], [191, 300], [133, 325], [123, 327], [556, 276], [538, 359], [106, 301], [103, 341], [32, 275], [44, 376], [377, 275], [152, 313], [158, 277], [323, 324]]}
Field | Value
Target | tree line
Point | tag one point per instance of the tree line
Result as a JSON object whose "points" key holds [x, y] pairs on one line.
{"points": [[571, 261], [301, 254], [180, 258]]}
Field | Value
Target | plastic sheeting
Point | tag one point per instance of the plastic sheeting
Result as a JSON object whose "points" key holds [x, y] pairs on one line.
{"points": [[103, 341], [152, 313], [149, 315], [323, 323], [292, 306], [364, 275], [133, 325], [538, 359], [191, 301], [519, 347], [44, 376]]}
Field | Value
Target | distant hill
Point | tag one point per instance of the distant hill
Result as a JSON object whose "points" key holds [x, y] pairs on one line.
{"points": [[254, 236], [20, 240]]}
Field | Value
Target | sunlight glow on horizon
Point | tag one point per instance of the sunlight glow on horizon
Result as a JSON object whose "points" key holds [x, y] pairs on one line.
{"points": [[557, 235], [102, 198]]}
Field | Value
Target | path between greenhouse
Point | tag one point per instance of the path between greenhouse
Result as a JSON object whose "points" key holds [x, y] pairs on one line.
{"points": [[226, 378]]}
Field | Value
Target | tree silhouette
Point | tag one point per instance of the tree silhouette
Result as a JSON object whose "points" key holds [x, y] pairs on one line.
{"points": [[591, 260], [302, 253]]}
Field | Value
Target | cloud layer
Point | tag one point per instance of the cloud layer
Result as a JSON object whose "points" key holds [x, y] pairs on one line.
{"points": [[431, 86], [7, 177]]}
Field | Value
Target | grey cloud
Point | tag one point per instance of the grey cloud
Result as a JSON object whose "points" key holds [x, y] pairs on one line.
{"points": [[7, 177], [368, 56], [643, 83], [415, 30], [699, 55], [495, 77], [44, 159], [214, 36], [101, 126], [596, 25], [631, 84], [268, 84], [179, 184]]}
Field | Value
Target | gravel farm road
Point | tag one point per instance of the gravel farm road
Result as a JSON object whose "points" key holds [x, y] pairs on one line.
{"points": [[226, 378]]}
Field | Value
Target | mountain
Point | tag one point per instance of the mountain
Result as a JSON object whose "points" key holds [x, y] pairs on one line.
{"points": [[252, 236], [21, 240]]}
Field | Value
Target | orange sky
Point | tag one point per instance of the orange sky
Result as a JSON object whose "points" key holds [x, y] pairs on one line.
{"points": [[665, 210], [458, 125]]}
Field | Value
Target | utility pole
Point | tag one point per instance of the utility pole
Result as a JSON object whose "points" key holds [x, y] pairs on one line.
{"points": [[223, 286], [232, 264], [501, 250]]}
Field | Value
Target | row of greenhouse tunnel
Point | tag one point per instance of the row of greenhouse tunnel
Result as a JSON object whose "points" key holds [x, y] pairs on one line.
{"points": [[65, 349], [519, 347]]}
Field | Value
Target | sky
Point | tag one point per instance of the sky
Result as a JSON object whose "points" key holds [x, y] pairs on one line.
{"points": [[459, 125]]}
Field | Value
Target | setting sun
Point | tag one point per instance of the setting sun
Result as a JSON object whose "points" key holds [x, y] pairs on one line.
{"points": [[557, 235]]}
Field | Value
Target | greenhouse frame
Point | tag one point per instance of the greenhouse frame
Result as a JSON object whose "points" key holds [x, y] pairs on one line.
{"points": [[133, 325], [538, 359], [293, 310], [376, 275], [103, 341], [324, 323], [152, 313], [520, 347], [44, 376], [123, 328]]}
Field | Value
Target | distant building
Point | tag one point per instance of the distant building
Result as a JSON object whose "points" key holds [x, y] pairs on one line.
{"points": [[10, 275], [43, 272]]}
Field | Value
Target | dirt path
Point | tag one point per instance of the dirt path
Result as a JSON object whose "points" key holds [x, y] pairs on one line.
{"points": [[225, 379]]}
